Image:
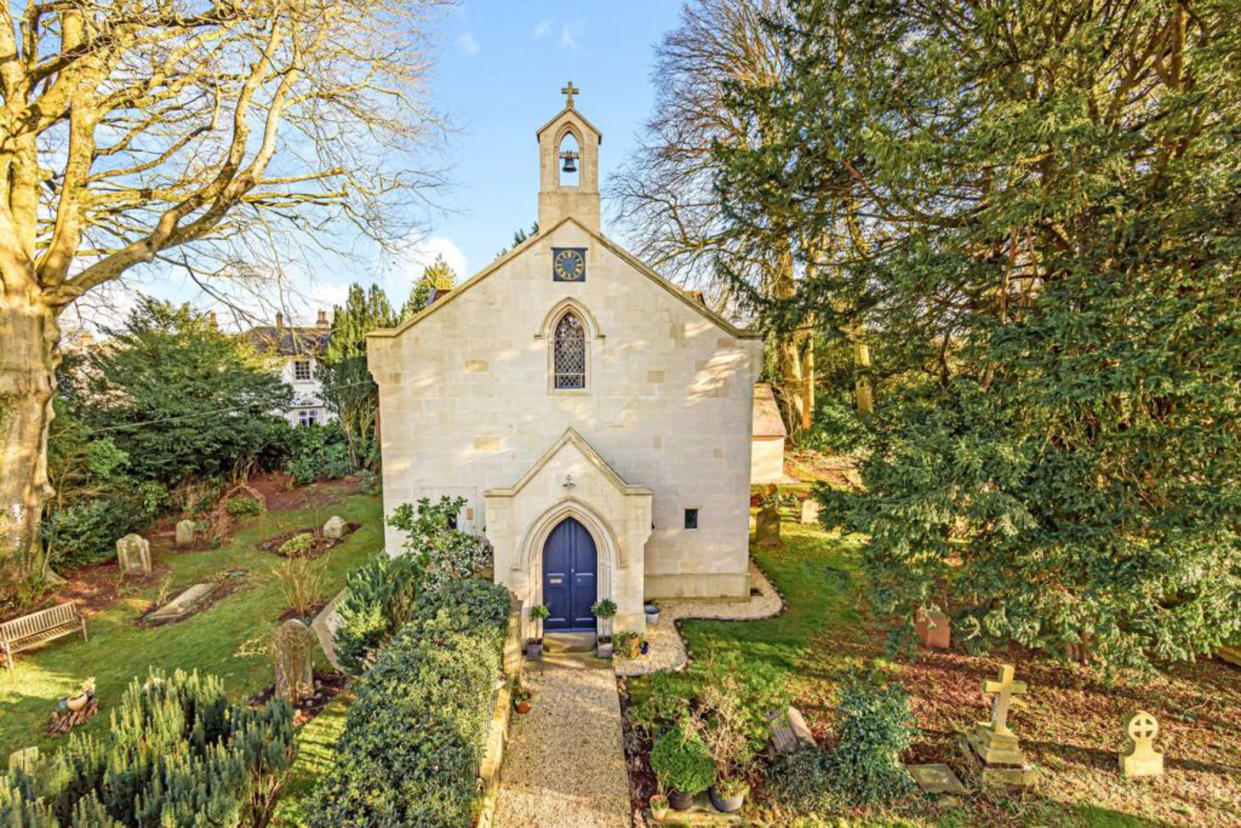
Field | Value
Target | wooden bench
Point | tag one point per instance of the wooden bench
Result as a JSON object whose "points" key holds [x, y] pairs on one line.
{"points": [[44, 625]]}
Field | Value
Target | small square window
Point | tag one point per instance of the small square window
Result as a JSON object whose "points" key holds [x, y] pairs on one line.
{"points": [[301, 370], [691, 518], [308, 416]]}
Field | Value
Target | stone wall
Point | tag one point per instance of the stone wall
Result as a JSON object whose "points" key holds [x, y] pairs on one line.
{"points": [[497, 733]]}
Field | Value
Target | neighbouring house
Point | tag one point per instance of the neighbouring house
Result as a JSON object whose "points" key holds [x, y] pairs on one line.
{"points": [[767, 454], [299, 348], [595, 418]]}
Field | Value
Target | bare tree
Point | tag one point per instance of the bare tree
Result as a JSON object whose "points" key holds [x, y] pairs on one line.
{"points": [[183, 133], [665, 192]]}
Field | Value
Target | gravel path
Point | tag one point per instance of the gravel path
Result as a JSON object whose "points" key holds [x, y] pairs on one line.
{"points": [[667, 650], [564, 766]]}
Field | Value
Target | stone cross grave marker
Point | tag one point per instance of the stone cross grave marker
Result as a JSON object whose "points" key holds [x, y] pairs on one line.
{"points": [[133, 554], [1004, 689], [293, 655], [1141, 758], [992, 744]]}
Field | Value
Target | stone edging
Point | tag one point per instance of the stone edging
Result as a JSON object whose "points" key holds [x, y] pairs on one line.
{"points": [[497, 732]]}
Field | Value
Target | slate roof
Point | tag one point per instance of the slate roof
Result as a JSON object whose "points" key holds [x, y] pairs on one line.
{"points": [[289, 341], [767, 419]]}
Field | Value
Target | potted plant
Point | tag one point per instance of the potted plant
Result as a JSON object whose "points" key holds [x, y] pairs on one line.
{"points": [[659, 807], [628, 644], [521, 698], [728, 733], [682, 764], [84, 695], [604, 610], [534, 647], [652, 614]]}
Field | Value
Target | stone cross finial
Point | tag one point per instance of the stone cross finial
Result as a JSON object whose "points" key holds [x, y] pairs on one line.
{"points": [[1004, 689], [1141, 758], [569, 91]]}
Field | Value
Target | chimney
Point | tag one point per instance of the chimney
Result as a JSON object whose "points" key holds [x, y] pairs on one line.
{"points": [[322, 323], [213, 322], [280, 321]]}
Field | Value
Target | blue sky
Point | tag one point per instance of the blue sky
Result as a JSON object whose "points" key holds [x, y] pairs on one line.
{"points": [[497, 76]]}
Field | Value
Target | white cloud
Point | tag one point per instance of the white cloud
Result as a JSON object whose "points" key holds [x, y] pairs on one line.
{"points": [[467, 44], [416, 252], [542, 29], [569, 34]]}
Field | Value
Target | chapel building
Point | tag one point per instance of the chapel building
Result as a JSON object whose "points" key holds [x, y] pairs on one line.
{"points": [[595, 417]]}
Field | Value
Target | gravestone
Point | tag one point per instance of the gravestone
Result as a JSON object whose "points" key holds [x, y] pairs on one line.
{"points": [[992, 745], [933, 629], [790, 731], [26, 759], [184, 603], [185, 533], [133, 554], [767, 527], [810, 511], [293, 655], [936, 779], [1141, 758], [334, 528]]}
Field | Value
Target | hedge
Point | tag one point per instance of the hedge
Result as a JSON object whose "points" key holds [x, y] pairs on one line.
{"points": [[414, 735]]}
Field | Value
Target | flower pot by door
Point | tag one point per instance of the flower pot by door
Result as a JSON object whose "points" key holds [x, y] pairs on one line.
{"points": [[680, 801]]}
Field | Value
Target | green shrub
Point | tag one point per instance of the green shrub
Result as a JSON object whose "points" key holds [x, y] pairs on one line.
{"points": [[431, 534], [85, 531], [681, 762], [876, 727], [802, 781], [242, 506], [380, 599], [178, 753], [318, 452], [298, 545], [667, 704], [414, 735]]}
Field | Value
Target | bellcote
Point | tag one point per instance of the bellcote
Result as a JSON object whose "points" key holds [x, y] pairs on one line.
{"points": [[569, 167]]}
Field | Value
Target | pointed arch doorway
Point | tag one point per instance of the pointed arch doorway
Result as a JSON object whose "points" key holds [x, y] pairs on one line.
{"points": [[570, 576]]}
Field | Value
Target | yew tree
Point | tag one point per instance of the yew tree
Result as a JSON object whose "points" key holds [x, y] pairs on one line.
{"points": [[1049, 195], [157, 132]]}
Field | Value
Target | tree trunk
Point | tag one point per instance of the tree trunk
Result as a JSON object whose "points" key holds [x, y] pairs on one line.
{"points": [[861, 381], [28, 359]]}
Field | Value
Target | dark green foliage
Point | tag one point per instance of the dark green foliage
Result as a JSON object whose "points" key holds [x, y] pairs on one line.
{"points": [[178, 753], [413, 738], [317, 452], [666, 705], [436, 276], [447, 553], [379, 601], [802, 781], [875, 728], [681, 762], [85, 531], [1032, 211], [242, 506]]}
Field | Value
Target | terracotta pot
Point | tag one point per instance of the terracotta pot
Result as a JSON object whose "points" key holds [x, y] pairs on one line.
{"points": [[659, 806], [680, 801], [726, 804], [523, 707], [76, 703]]}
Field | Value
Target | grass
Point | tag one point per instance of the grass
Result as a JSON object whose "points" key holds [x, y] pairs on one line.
{"points": [[227, 639], [316, 750], [1070, 727]]}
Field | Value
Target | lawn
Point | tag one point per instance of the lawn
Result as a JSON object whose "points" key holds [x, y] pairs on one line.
{"points": [[1070, 724], [227, 639]]}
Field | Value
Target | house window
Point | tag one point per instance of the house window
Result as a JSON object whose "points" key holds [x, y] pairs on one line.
{"points": [[301, 370], [691, 518], [308, 416], [570, 352]]}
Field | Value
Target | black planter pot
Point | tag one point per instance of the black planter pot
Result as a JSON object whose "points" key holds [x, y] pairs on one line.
{"points": [[680, 801], [726, 804]]}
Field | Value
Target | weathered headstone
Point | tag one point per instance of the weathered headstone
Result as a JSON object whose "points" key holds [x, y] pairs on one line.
{"points": [[936, 779], [810, 511], [334, 528], [1141, 758], [933, 629], [26, 759], [184, 603], [133, 554], [790, 731], [293, 655], [767, 527], [185, 533], [992, 743]]}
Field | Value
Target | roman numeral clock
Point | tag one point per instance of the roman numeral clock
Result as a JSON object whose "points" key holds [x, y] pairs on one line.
{"points": [[568, 264]]}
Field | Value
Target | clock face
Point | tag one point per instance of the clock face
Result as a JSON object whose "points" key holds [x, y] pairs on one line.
{"points": [[569, 264]]}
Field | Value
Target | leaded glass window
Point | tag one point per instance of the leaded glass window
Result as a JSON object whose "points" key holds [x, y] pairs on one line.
{"points": [[570, 352]]}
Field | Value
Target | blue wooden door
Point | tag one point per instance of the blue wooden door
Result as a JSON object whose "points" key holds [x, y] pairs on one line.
{"points": [[569, 563]]}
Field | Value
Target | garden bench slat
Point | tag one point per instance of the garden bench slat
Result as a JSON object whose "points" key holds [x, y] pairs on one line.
{"points": [[37, 627]]}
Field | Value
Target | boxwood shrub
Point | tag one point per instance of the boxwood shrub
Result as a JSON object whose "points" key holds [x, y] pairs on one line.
{"points": [[414, 735]]}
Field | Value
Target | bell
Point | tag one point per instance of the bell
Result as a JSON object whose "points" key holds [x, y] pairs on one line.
{"points": [[570, 159]]}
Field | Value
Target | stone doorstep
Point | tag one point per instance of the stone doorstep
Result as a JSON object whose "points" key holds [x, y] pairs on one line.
{"points": [[702, 812], [186, 601], [568, 642]]}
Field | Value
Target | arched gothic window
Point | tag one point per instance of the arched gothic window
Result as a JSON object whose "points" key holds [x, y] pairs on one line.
{"points": [[569, 349]]}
